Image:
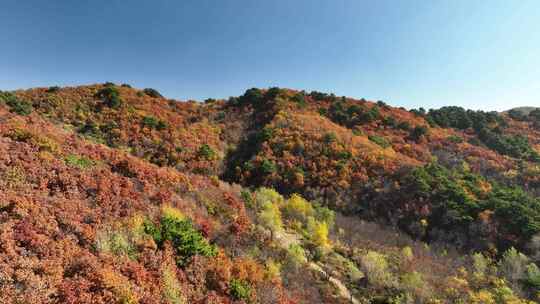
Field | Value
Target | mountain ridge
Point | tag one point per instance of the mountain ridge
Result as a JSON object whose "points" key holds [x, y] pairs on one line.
{"points": [[135, 164]]}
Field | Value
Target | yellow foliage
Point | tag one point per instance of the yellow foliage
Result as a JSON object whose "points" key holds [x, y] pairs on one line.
{"points": [[375, 266], [482, 297], [407, 253], [270, 216], [14, 177], [120, 286], [172, 213], [264, 195], [171, 291], [318, 232], [273, 269], [296, 207]]}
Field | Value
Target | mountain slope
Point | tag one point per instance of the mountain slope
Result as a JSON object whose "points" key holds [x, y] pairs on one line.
{"points": [[113, 194]]}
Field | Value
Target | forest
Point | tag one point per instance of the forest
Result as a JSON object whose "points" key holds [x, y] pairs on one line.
{"points": [[114, 194]]}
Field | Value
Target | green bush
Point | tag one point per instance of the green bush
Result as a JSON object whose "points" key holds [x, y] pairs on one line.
{"points": [[418, 132], [455, 139], [375, 266], [206, 152], [300, 99], [390, 121], [379, 141], [330, 137], [253, 96], [16, 105], [110, 96], [240, 290], [153, 123], [53, 89], [268, 166], [272, 93], [152, 93], [80, 162], [404, 125], [186, 240]]}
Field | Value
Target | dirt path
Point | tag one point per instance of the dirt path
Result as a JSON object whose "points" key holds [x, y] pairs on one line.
{"points": [[287, 239]]}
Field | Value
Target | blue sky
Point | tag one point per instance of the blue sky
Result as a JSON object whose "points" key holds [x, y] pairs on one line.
{"points": [[476, 54]]}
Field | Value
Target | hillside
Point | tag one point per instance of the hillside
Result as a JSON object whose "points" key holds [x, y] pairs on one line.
{"points": [[111, 194], [523, 110]]}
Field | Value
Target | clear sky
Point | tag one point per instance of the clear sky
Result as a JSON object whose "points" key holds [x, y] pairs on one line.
{"points": [[477, 54]]}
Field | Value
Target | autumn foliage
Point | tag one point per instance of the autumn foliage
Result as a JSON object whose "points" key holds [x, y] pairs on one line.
{"points": [[110, 194]]}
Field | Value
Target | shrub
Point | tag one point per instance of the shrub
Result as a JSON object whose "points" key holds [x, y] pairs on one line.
{"points": [[153, 123], [14, 176], [80, 162], [53, 89], [268, 195], [375, 267], [418, 132], [43, 143], [270, 217], [171, 291], [407, 253], [379, 141], [116, 241], [513, 266], [120, 286], [152, 93], [186, 240], [300, 99], [318, 232], [272, 93], [381, 104], [240, 290], [324, 214], [296, 255], [16, 105], [297, 208], [268, 166], [125, 85], [318, 95], [110, 96], [330, 137], [455, 139], [532, 280], [413, 282], [206, 152], [481, 265], [253, 97], [389, 121], [404, 125], [273, 269]]}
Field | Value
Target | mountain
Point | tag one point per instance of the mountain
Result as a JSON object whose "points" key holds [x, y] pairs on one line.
{"points": [[524, 110], [111, 194]]}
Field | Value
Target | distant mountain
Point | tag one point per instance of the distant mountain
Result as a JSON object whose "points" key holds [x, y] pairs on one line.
{"points": [[524, 110], [112, 194]]}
